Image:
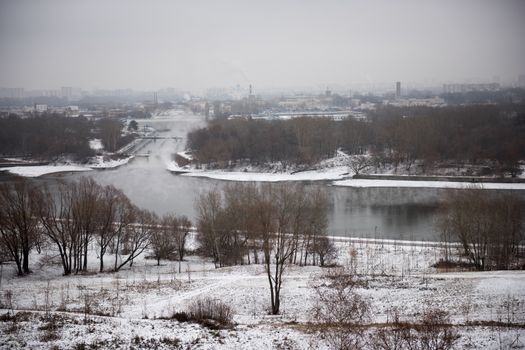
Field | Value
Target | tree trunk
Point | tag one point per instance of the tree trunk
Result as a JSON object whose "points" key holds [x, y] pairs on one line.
{"points": [[86, 242], [19, 267], [25, 261], [101, 259], [277, 302], [117, 246]]}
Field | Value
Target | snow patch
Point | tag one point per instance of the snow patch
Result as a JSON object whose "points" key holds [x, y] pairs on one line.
{"points": [[98, 162], [39, 170], [426, 184], [101, 162], [335, 173], [96, 144]]}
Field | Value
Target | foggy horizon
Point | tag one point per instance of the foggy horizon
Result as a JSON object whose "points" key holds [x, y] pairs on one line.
{"points": [[205, 44]]}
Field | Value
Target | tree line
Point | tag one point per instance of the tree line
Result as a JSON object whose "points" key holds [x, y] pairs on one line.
{"points": [[284, 224], [46, 137], [53, 135], [75, 215], [484, 134]]}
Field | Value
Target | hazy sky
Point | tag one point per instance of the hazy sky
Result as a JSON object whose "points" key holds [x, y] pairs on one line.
{"points": [[199, 44]]}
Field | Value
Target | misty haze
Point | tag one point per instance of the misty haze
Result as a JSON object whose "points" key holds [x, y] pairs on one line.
{"points": [[262, 175]]}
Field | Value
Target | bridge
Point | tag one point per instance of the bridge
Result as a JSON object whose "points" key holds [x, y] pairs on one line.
{"points": [[177, 138]]}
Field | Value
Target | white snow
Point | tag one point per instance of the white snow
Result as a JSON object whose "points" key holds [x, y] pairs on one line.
{"points": [[102, 162], [333, 173], [135, 299], [39, 170], [96, 144], [97, 162], [185, 154], [338, 174], [427, 184]]}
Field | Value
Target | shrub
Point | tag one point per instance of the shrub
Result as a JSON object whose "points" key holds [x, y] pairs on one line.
{"points": [[181, 317], [211, 309], [212, 313], [432, 332], [340, 311]]}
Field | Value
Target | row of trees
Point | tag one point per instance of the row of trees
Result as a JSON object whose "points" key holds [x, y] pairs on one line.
{"points": [[488, 135], [286, 223], [109, 130], [47, 137], [75, 215], [489, 226], [470, 134], [53, 135], [301, 140]]}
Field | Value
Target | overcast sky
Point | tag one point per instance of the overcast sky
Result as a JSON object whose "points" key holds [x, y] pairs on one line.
{"points": [[199, 44]]}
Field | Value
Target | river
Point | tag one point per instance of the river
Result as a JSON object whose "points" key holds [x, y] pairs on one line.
{"points": [[391, 213]]}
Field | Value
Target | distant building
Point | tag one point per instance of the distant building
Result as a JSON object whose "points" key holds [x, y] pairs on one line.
{"points": [[51, 93], [398, 89], [40, 108], [217, 109], [12, 92], [407, 102], [72, 111], [459, 88], [521, 80], [207, 110], [66, 92]]}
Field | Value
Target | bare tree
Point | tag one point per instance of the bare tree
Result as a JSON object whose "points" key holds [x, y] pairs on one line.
{"points": [[275, 219], [137, 236], [114, 214], [208, 207], [358, 163], [162, 239], [324, 248], [182, 231], [85, 199], [56, 216], [316, 225], [18, 222], [110, 133], [238, 222], [279, 243], [170, 238]]}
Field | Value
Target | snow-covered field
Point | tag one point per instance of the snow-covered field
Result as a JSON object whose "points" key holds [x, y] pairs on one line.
{"points": [[128, 309]]}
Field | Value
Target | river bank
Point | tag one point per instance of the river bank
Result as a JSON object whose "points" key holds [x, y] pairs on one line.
{"points": [[97, 163], [342, 176]]}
